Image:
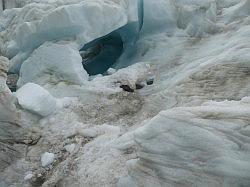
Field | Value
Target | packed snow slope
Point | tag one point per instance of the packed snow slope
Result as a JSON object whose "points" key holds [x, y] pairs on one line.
{"points": [[172, 111]]}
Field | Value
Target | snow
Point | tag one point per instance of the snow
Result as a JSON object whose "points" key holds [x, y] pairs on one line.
{"points": [[47, 159], [36, 99], [53, 63]]}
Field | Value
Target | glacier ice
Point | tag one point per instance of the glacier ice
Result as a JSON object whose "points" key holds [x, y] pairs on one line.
{"points": [[70, 148], [206, 145], [114, 48], [29, 176], [53, 63], [74, 23], [36, 99], [189, 128], [47, 159]]}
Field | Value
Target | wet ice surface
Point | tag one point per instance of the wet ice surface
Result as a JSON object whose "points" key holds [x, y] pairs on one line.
{"points": [[187, 125]]}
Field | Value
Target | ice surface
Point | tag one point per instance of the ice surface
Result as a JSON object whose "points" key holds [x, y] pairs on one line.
{"points": [[195, 146], [28, 176], [85, 21], [189, 128], [53, 63], [47, 159], [36, 99]]}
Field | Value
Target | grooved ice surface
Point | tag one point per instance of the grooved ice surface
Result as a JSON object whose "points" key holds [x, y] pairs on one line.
{"points": [[195, 146]]}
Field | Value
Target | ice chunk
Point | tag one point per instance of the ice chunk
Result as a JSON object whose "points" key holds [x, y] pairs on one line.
{"points": [[53, 63], [28, 176], [70, 148], [47, 159], [36, 99], [111, 71]]}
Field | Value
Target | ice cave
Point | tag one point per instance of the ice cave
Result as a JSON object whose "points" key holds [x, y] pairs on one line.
{"points": [[99, 55], [124, 93], [103, 53]]}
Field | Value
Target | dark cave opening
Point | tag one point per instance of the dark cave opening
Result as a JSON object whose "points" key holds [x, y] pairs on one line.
{"points": [[99, 55]]}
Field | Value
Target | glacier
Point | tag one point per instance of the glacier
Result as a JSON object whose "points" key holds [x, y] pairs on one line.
{"points": [[125, 93]]}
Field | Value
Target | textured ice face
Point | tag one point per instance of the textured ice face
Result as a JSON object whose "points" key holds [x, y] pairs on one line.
{"points": [[195, 146]]}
